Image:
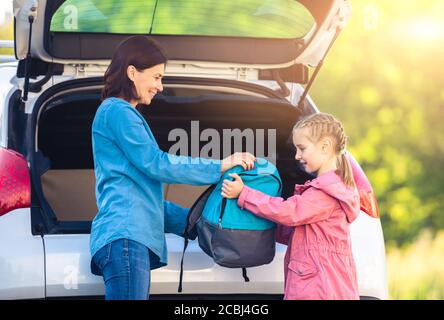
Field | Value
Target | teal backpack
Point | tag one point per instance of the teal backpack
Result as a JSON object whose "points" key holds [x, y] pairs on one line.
{"points": [[234, 237]]}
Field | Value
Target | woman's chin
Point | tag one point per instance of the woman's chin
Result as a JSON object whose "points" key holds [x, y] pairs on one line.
{"points": [[146, 101]]}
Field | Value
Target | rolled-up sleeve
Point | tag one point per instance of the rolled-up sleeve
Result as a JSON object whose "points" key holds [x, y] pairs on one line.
{"points": [[175, 218]]}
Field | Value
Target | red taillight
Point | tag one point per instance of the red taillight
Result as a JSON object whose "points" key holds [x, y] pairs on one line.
{"points": [[366, 195], [15, 186]]}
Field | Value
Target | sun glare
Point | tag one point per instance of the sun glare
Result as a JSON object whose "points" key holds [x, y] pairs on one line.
{"points": [[426, 29]]}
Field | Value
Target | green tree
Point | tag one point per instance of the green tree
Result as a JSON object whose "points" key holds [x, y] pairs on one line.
{"points": [[384, 80]]}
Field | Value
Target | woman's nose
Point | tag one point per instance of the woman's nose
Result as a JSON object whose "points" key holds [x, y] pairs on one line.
{"points": [[160, 87]]}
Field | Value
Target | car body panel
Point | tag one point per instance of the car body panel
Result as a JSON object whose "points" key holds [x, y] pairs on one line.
{"points": [[68, 267], [7, 71], [369, 255], [68, 271], [22, 271]]}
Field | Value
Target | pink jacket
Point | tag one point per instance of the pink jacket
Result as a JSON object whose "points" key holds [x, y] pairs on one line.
{"points": [[314, 223]]}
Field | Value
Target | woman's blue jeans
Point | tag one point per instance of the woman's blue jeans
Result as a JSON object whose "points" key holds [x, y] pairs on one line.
{"points": [[125, 266]]}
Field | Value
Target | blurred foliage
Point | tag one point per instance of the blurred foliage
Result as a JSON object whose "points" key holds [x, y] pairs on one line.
{"points": [[383, 79], [7, 33], [416, 272]]}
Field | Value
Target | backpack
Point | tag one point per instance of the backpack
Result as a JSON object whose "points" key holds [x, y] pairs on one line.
{"points": [[234, 237]]}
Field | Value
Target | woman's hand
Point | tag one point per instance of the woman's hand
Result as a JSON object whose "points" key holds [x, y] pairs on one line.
{"points": [[244, 159], [232, 189]]}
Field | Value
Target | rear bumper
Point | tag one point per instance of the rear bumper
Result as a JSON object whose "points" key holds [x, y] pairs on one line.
{"points": [[202, 275]]}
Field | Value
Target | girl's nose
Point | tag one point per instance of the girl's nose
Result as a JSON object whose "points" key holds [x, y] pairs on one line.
{"points": [[297, 156]]}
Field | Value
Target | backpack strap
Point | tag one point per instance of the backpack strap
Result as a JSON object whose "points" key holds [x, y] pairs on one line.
{"points": [[185, 245], [244, 274], [190, 232]]}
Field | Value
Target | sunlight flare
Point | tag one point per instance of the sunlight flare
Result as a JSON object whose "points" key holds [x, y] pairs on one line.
{"points": [[426, 29]]}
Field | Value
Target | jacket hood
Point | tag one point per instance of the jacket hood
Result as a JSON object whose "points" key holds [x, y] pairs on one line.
{"points": [[333, 185]]}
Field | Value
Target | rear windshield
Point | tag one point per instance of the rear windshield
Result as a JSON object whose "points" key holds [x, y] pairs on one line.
{"points": [[287, 19]]}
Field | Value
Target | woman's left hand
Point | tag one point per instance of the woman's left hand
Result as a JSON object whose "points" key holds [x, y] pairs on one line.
{"points": [[232, 189], [244, 159]]}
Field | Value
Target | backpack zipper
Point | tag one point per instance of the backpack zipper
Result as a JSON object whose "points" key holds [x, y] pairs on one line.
{"points": [[222, 210]]}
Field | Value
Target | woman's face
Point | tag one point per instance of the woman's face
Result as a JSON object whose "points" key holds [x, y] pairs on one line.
{"points": [[148, 82]]}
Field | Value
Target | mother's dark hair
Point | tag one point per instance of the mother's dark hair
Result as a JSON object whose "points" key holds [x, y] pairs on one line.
{"points": [[141, 52]]}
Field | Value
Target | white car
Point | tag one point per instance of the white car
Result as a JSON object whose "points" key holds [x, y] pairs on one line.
{"points": [[226, 71]]}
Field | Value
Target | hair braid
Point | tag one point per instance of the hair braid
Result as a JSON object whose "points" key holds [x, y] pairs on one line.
{"points": [[322, 125]]}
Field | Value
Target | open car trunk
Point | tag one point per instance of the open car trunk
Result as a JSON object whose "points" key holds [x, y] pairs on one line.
{"points": [[64, 139], [256, 34]]}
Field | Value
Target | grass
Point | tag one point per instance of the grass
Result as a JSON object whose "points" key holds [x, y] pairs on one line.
{"points": [[416, 272]]}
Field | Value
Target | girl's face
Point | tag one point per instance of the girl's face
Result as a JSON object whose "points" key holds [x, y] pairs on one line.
{"points": [[148, 82], [312, 156]]}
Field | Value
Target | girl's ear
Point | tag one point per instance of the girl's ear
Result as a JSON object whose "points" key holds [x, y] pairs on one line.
{"points": [[130, 72], [326, 144]]}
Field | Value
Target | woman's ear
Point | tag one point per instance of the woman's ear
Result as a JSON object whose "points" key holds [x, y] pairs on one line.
{"points": [[130, 72]]}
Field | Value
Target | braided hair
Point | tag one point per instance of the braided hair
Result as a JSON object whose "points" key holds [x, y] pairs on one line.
{"points": [[322, 125]]}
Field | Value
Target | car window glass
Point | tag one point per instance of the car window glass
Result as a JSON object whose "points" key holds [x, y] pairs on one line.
{"points": [[246, 18]]}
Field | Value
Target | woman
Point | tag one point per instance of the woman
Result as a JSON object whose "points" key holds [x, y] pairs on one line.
{"points": [[128, 232]]}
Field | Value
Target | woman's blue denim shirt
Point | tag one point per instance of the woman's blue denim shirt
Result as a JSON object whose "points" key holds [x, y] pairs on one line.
{"points": [[130, 169]]}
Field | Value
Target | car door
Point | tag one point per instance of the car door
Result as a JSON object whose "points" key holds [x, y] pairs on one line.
{"points": [[68, 267]]}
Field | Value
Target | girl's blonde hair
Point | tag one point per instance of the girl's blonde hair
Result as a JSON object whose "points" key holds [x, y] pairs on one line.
{"points": [[322, 125]]}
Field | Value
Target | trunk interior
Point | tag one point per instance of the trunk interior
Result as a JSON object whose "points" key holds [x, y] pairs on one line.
{"points": [[64, 139]]}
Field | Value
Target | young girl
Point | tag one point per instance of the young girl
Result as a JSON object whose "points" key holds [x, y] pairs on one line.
{"points": [[315, 221]]}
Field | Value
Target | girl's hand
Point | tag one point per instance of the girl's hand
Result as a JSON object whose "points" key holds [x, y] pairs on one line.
{"points": [[244, 159], [232, 189]]}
